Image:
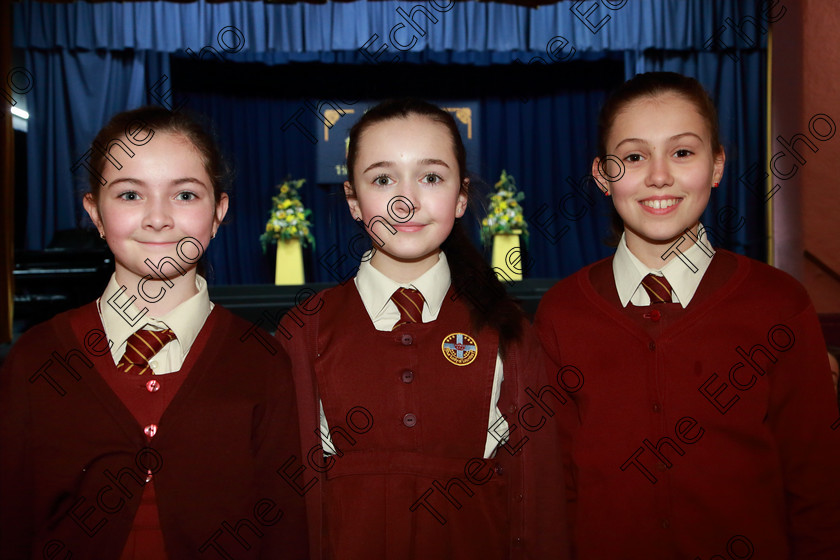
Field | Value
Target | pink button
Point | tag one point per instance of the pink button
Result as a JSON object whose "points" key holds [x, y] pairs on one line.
{"points": [[152, 385], [150, 430]]}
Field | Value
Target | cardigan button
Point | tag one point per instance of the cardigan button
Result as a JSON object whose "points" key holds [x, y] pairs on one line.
{"points": [[651, 345], [406, 339], [499, 468], [656, 407], [654, 315], [407, 376], [150, 430], [661, 467], [152, 385], [410, 420], [512, 409], [517, 541]]}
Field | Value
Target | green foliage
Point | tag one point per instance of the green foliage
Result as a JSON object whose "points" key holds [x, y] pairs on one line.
{"points": [[505, 213], [288, 218]]}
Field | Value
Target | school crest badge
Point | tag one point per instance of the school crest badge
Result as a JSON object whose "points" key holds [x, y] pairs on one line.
{"points": [[459, 348]]}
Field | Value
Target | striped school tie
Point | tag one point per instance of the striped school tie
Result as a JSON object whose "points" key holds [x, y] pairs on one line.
{"points": [[140, 348], [657, 288], [410, 303]]}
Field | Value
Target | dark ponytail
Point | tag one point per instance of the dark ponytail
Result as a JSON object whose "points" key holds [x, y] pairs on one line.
{"points": [[476, 283], [473, 281]]}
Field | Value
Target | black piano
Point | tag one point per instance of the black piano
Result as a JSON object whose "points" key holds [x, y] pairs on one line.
{"points": [[72, 271]]}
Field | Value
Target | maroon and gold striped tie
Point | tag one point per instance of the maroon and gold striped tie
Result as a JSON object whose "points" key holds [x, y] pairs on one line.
{"points": [[410, 303], [140, 348], [657, 288]]}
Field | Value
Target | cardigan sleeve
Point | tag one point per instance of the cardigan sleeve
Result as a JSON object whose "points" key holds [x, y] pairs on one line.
{"points": [[16, 526], [801, 413], [568, 420], [299, 342], [543, 497], [277, 441]]}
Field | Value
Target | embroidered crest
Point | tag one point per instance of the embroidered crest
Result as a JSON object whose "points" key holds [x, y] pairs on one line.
{"points": [[459, 348]]}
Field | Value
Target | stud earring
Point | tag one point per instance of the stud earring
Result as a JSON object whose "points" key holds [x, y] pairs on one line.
{"points": [[102, 236], [715, 185], [606, 193]]}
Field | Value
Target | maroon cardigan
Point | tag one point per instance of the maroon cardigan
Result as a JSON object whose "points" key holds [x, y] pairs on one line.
{"points": [[532, 522], [74, 459], [702, 432]]}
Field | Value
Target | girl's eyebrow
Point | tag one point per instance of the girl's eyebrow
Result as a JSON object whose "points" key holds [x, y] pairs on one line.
{"points": [[432, 161], [183, 180], [630, 140], [130, 180], [426, 161], [678, 136], [379, 164]]}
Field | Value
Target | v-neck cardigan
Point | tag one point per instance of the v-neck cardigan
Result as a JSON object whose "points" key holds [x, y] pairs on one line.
{"points": [[73, 458], [702, 428]]}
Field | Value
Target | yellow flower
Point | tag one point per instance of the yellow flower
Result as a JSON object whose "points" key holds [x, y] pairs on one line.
{"points": [[286, 203], [293, 230], [284, 189]]}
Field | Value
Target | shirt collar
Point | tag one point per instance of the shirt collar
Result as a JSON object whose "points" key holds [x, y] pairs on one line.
{"points": [[375, 288], [185, 320], [629, 271]]}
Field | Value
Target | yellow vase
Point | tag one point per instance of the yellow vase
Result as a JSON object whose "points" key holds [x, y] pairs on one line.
{"points": [[289, 267], [504, 243]]}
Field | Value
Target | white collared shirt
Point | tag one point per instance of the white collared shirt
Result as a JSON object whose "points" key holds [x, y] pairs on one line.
{"points": [[186, 321], [375, 290], [629, 271]]}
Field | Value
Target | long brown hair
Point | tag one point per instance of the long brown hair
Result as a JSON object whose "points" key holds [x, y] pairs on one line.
{"points": [[472, 278]]}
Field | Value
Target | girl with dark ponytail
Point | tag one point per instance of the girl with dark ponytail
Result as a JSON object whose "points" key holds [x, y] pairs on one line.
{"points": [[411, 375]]}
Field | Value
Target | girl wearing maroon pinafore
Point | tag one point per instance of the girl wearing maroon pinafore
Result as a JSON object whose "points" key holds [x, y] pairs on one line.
{"points": [[411, 376]]}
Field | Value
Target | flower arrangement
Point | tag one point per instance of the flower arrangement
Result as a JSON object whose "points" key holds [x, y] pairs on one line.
{"points": [[288, 218], [505, 214]]}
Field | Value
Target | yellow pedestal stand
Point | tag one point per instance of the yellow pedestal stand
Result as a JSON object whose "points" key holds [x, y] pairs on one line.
{"points": [[503, 243], [289, 267]]}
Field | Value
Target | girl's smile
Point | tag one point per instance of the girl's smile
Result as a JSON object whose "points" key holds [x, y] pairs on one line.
{"points": [[660, 204]]}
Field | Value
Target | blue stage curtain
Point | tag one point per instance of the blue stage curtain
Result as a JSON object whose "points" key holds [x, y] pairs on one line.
{"points": [[73, 95], [314, 28], [548, 144], [90, 61], [261, 156], [545, 143]]}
